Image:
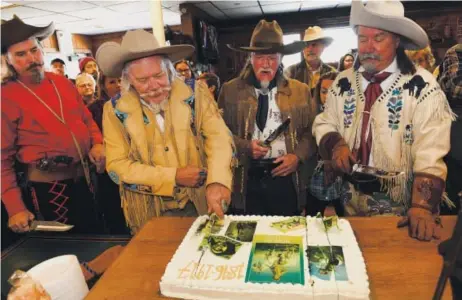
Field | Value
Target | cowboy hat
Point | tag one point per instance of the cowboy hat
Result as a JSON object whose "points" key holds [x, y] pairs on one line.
{"points": [[389, 16], [111, 56], [315, 33], [15, 31], [267, 38]]}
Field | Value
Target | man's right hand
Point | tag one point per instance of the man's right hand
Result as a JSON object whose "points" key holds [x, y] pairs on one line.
{"points": [[257, 151], [342, 158], [20, 221], [190, 176]]}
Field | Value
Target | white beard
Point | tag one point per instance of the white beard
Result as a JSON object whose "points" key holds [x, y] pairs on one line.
{"points": [[158, 107]]}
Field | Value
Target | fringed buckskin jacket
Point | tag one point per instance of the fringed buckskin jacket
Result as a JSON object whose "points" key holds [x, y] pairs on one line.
{"points": [[239, 103], [410, 126], [143, 161]]}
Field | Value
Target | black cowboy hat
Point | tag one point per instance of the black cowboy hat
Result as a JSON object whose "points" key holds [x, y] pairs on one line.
{"points": [[15, 31], [267, 37]]}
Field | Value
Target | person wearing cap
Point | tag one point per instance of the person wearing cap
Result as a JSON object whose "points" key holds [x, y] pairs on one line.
{"points": [[167, 146], [48, 136], [58, 66], [88, 65], [270, 179], [312, 68], [388, 114]]}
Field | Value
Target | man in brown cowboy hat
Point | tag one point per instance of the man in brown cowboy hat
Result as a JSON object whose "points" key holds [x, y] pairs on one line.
{"points": [[385, 113], [270, 179], [311, 68], [167, 146], [48, 135]]}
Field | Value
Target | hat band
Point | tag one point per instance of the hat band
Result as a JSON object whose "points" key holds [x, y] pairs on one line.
{"points": [[266, 44]]}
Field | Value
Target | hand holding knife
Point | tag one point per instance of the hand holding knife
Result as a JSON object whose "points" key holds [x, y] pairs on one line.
{"points": [[51, 226], [275, 134]]}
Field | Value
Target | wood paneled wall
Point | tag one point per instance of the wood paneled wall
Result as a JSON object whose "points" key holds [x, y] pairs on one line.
{"points": [[82, 43], [50, 44], [99, 39]]}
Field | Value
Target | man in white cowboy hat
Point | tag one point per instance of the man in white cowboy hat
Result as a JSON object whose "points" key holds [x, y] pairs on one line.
{"points": [[387, 114], [47, 136], [167, 147], [270, 179], [312, 68]]}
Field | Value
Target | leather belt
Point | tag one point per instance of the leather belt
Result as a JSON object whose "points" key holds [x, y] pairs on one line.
{"points": [[267, 164], [73, 171]]}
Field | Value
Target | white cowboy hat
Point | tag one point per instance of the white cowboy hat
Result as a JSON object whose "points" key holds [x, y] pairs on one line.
{"points": [[111, 56], [315, 33], [389, 16]]}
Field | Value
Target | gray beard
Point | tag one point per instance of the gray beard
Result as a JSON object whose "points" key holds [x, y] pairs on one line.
{"points": [[369, 69], [37, 76], [158, 107], [264, 84], [264, 87]]}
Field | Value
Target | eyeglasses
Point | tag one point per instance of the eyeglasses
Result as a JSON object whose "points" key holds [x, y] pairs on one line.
{"points": [[83, 85], [184, 71]]}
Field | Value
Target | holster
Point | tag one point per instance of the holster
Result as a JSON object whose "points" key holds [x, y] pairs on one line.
{"points": [[365, 183]]}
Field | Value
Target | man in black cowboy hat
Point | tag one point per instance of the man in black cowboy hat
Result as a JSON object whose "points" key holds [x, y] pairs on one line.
{"points": [[47, 133], [270, 180]]}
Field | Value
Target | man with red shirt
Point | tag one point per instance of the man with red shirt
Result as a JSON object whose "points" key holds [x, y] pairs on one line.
{"points": [[47, 134]]}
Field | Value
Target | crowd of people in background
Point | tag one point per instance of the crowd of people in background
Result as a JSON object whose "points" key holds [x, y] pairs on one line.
{"points": [[302, 170]]}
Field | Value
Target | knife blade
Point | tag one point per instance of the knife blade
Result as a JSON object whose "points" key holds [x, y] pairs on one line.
{"points": [[372, 171], [50, 226], [275, 134], [211, 222]]}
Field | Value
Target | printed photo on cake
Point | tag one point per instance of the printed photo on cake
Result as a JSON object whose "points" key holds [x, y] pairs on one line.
{"points": [[241, 230], [220, 246], [325, 260], [210, 226], [276, 259], [291, 224]]}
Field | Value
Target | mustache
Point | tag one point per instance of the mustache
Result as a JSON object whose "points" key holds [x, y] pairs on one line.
{"points": [[156, 92], [265, 70], [34, 65], [369, 56]]}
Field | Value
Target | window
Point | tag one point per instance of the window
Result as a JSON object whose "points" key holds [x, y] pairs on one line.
{"points": [[344, 40], [289, 60]]}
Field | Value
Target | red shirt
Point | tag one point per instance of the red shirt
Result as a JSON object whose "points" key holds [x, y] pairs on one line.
{"points": [[30, 131]]}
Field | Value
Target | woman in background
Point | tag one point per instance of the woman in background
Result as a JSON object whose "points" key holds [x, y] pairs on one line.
{"points": [[346, 62], [213, 83], [325, 188], [184, 70], [108, 192], [322, 88], [110, 87]]}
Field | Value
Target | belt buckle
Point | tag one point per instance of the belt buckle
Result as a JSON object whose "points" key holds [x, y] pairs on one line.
{"points": [[46, 164]]}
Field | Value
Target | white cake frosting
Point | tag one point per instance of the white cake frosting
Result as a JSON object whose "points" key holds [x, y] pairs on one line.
{"points": [[219, 278]]}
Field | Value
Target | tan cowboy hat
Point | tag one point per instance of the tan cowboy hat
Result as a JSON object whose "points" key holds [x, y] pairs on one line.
{"points": [[15, 31], [111, 56], [315, 33], [267, 37], [389, 16]]}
